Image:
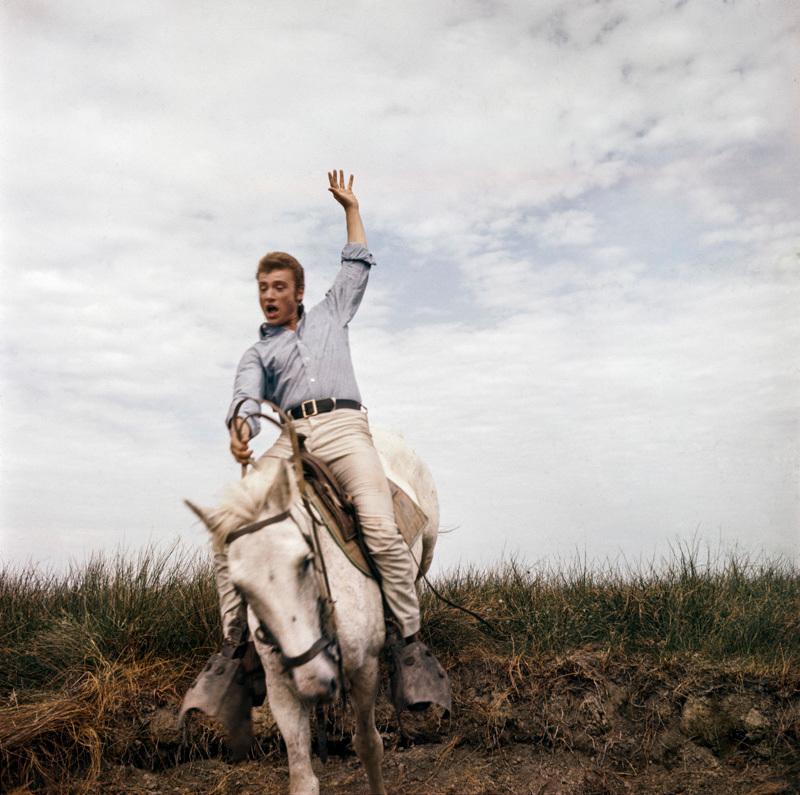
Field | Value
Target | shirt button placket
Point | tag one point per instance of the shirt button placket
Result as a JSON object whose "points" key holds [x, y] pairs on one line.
{"points": [[306, 359]]}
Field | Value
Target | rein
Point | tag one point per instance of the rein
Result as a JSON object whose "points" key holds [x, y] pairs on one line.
{"points": [[329, 640]]}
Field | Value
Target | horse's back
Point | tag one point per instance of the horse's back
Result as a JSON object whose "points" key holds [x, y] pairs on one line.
{"points": [[402, 465]]}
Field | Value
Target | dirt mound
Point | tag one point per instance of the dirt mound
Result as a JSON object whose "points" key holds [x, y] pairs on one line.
{"points": [[585, 722]]}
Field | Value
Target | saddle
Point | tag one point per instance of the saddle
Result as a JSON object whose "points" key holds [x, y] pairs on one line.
{"points": [[339, 514]]}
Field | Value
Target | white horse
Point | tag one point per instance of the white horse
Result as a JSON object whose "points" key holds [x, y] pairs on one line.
{"points": [[274, 568]]}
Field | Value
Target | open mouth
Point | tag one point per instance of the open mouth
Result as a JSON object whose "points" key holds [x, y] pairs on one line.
{"points": [[271, 310]]}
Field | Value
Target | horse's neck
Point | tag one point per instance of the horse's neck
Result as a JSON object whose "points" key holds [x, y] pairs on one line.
{"points": [[357, 604], [347, 582]]}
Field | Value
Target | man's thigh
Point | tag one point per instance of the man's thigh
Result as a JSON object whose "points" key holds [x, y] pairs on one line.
{"points": [[361, 474], [282, 446], [345, 444], [338, 433], [342, 440]]}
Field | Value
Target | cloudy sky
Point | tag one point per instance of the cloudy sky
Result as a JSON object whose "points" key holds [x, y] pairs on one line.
{"points": [[584, 315]]}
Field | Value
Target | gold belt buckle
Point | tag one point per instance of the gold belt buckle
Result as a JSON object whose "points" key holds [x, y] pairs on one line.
{"points": [[314, 410]]}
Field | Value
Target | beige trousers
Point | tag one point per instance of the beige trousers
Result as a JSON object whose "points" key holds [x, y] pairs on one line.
{"points": [[341, 438]]}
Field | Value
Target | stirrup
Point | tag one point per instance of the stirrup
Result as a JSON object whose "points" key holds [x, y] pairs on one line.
{"points": [[226, 689], [418, 679]]}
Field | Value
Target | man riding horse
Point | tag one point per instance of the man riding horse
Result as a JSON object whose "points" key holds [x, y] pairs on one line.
{"points": [[302, 363]]}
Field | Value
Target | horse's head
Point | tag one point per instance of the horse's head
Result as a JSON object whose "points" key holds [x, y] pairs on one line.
{"points": [[271, 561]]}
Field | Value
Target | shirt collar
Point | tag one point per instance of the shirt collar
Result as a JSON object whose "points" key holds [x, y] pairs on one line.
{"points": [[265, 330]]}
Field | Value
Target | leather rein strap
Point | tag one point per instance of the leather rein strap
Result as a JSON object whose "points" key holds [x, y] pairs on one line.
{"points": [[330, 637]]}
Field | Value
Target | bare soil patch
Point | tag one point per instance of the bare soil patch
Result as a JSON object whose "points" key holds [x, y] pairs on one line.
{"points": [[444, 770]]}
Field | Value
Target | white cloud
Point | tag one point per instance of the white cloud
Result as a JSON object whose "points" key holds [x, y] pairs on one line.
{"points": [[567, 228], [642, 417], [152, 154]]}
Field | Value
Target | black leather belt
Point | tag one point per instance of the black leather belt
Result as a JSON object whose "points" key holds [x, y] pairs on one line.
{"points": [[310, 408]]}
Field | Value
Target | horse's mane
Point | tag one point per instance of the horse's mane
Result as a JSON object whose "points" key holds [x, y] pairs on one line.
{"points": [[244, 499]]}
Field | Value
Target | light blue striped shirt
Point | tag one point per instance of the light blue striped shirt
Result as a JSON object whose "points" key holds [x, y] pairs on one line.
{"points": [[312, 362]]}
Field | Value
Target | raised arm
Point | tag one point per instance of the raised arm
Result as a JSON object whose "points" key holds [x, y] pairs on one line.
{"points": [[346, 197]]}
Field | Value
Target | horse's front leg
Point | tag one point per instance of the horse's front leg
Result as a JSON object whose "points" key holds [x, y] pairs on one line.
{"points": [[366, 740], [293, 720]]}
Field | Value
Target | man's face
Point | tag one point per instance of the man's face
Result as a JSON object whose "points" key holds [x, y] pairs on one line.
{"points": [[279, 297]]}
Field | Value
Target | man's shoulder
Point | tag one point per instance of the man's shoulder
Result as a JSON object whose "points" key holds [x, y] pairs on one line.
{"points": [[257, 350]]}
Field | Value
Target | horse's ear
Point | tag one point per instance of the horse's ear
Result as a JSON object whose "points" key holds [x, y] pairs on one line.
{"points": [[206, 515], [281, 492]]}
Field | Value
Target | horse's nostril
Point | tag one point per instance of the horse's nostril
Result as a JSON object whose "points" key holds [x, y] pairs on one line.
{"points": [[332, 686]]}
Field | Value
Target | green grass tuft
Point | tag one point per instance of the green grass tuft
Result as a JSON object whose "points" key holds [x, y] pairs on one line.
{"points": [[162, 604], [722, 608], [158, 604]]}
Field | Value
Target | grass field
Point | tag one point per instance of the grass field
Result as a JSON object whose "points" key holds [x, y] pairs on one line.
{"points": [[83, 651]]}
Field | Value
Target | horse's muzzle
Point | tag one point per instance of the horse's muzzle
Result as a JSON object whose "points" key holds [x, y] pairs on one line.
{"points": [[318, 680]]}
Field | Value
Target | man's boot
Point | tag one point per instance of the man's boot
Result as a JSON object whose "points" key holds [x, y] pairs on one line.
{"points": [[231, 682], [418, 679]]}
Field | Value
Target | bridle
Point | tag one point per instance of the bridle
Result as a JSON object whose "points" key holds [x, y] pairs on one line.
{"points": [[325, 643], [328, 642]]}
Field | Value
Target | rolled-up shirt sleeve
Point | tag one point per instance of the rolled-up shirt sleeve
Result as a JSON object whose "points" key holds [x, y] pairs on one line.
{"points": [[344, 296], [248, 386]]}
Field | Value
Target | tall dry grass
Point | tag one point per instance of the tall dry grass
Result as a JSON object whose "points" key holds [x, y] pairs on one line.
{"points": [[159, 604], [163, 605]]}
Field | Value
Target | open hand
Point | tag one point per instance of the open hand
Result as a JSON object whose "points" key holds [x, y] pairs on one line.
{"points": [[343, 195]]}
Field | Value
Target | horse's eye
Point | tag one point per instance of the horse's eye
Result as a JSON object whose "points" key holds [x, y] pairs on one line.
{"points": [[305, 565]]}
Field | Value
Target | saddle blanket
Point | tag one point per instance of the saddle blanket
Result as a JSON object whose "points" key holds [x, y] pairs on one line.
{"points": [[410, 518]]}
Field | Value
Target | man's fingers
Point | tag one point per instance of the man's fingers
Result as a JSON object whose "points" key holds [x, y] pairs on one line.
{"points": [[240, 439], [242, 456], [239, 446], [240, 431], [337, 182]]}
